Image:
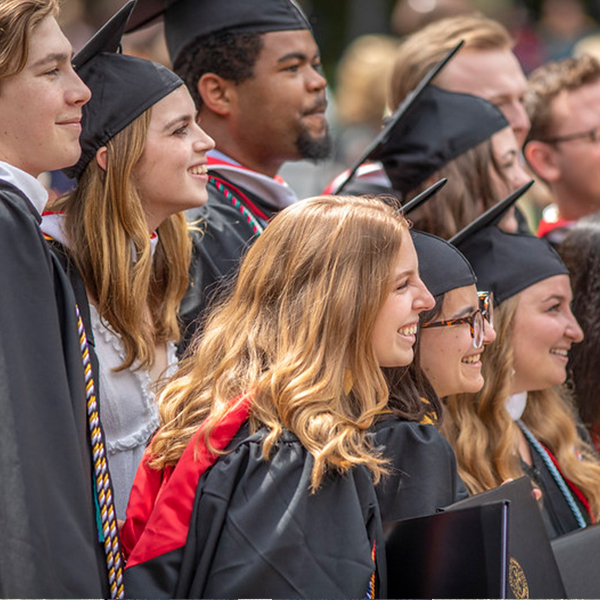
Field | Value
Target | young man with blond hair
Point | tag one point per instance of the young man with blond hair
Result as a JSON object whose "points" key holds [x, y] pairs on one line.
{"points": [[563, 146], [485, 66], [50, 538]]}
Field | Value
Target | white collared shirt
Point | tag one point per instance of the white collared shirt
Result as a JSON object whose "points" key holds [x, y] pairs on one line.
{"points": [[26, 183]]}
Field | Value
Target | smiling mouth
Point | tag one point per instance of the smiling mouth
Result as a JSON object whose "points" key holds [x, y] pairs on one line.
{"points": [[560, 352], [471, 360], [198, 170], [408, 330]]}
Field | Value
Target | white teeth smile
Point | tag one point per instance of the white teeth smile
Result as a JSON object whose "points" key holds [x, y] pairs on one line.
{"points": [[471, 360], [198, 170], [410, 330], [560, 352]]}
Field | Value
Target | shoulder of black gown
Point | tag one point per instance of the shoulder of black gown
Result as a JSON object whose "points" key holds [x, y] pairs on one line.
{"points": [[50, 541], [220, 236], [257, 530], [423, 475]]}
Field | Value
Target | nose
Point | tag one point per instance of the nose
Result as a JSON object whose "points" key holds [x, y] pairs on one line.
{"points": [[521, 177], [203, 141], [489, 333], [316, 81], [573, 330], [423, 299], [78, 93]]}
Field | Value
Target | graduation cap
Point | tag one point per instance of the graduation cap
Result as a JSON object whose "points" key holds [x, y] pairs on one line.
{"points": [[506, 263], [123, 87], [442, 266], [187, 20], [441, 126], [429, 128]]}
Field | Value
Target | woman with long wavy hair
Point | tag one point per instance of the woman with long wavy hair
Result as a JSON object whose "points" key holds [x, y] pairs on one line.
{"points": [[522, 422], [123, 233], [260, 480]]}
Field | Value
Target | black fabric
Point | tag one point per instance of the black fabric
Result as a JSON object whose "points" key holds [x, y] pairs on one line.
{"points": [[123, 87], [257, 531], [187, 20], [221, 238], [437, 128], [49, 541], [507, 263], [556, 513], [423, 477], [441, 266]]}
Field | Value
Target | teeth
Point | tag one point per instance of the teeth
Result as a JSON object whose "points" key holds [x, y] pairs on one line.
{"points": [[410, 330], [198, 170], [470, 360], [560, 352]]}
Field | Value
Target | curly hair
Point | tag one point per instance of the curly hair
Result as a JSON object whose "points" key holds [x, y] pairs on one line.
{"points": [[295, 328], [580, 251], [227, 54], [547, 82]]}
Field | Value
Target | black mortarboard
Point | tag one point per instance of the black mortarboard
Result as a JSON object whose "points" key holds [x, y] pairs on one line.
{"points": [[442, 267], [123, 87], [187, 20], [506, 263], [397, 119], [441, 126]]}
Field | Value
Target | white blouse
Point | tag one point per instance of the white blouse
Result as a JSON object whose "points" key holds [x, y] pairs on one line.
{"points": [[127, 407]]}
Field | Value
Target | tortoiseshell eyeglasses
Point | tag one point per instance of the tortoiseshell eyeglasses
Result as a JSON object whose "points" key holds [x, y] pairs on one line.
{"points": [[474, 320]]}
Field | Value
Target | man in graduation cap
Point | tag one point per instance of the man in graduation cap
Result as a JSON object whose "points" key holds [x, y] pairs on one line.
{"points": [[254, 71], [50, 540]]}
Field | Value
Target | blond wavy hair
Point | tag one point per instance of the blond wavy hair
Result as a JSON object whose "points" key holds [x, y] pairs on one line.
{"points": [[299, 320], [18, 19], [137, 293], [485, 438]]}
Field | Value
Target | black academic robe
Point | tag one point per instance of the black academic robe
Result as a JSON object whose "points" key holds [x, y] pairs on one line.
{"points": [[49, 539], [257, 531], [217, 247], [556, 513], [423, 476]]}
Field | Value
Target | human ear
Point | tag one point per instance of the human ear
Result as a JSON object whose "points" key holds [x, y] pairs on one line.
{"points": [[102, 157], [542, 160], [216, 93]]}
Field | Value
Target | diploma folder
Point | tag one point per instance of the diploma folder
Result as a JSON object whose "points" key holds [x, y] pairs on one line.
{"points": [[577, 554], [456, 554], [532, 568]]}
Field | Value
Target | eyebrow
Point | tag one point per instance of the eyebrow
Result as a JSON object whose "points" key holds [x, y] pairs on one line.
{"points": [[53, 57], [553, 297], [403, 275], [468, 310], [180, 119], [297, 56]]}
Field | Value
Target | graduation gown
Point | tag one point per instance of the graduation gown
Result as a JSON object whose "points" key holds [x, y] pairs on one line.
{"points": [[423, 475], [50, 543], [223, 237], [556, 513], [256, 530]]}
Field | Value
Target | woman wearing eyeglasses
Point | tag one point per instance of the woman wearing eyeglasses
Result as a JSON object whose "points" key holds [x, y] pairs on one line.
{"points": [[424, 476], [520, 422], [454, 334]]}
